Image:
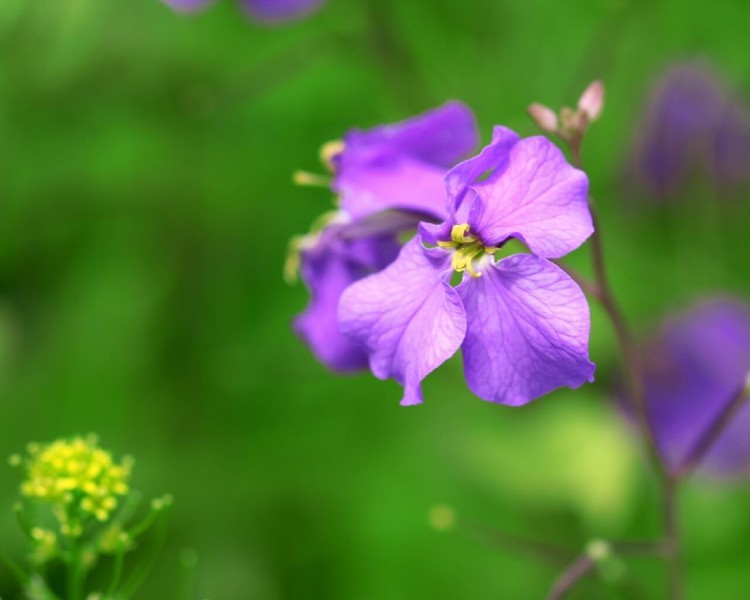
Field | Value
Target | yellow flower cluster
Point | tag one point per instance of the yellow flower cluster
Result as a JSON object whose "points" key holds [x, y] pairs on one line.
{"points": [[78, 478]]}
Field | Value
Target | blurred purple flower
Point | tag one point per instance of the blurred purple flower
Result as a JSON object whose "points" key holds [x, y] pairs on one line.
{"points": [[695, 368], [387, 179], [693, 124], [522, 323], [269, 11]]}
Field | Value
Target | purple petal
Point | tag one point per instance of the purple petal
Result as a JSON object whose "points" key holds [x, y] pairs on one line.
{"points": [[280, 10], [402, 166], [491, 161], [187, 5], [328, 269], [439, 137], [538, 198], [408, 317], [695, 369], [527, 330]]}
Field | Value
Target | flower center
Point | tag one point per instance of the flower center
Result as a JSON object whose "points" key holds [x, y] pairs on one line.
{"points": [[466, 249]]}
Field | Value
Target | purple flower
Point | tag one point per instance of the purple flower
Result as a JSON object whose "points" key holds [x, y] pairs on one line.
{"points": [[262, 10], [387, 179], [522, 323], [694, 123], [695, 368]]}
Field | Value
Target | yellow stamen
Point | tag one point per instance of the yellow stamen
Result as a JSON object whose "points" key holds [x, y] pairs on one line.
{"points": [[298, 243], [329, 151], [459, 234], [293, 260], [311, 179], [466, 249]]}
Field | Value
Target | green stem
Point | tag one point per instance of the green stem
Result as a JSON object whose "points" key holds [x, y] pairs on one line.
{"points": [[137, 578], [11, 565], [117, 572], [515, 544], [75, 572]]}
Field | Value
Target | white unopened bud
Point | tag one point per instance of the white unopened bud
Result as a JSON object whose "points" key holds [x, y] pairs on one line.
{"points": [[544, 117], [591, 101], [598, 550]]}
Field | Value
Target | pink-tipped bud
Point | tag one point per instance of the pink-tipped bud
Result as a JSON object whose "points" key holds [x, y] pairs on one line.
{"points": [[592, 100], [544, 117]]}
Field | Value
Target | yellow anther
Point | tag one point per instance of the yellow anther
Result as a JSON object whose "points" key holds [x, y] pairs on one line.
{"points": [[459, 234], [329, 151], [466, 249], [311, 179], [299, 243], [472, 272]]}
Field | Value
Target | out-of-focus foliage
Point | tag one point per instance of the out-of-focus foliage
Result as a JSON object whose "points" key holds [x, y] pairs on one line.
{"points": [[145, 204]]}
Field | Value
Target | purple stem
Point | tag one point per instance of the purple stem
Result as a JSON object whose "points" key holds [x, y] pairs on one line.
{"points": [[712, 433], [584, 564], [634, 373], [568, 578]]}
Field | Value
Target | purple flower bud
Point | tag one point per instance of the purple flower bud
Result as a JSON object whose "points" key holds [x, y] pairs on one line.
{"points": [[695, 368], [269, 11], [544, 117], [693, 124], [591, 102]]}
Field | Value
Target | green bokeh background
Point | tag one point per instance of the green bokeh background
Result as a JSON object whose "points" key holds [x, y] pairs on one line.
{"points": [[145, 206]]}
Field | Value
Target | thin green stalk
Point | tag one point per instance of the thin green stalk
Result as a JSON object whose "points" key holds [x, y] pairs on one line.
{"points": [[13, 567], [515, 544], [136, 579], [117, 571], [74, 572]]}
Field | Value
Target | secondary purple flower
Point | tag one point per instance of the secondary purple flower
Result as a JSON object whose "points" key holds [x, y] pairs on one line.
{"points": [[522, 323], [694, 124], [387, 179], [695, 368], [262, 10]]}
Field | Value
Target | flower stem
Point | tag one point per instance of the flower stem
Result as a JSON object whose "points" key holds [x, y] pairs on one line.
{"points": [[11, 565], [117, 571], [584, 564], [672, 540], [136, 579], [581, 567], [501, 540], [714, 430], [74, 574], [634, 374]]}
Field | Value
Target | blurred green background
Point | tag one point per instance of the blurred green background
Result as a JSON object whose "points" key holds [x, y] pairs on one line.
{"points": [[145, 205]]}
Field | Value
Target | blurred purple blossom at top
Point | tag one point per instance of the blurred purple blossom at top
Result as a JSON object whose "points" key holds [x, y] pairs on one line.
{"points": [[387, 179], [401, 166], [521, 322], [695, 368], [694, 125], [262, 10]]}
